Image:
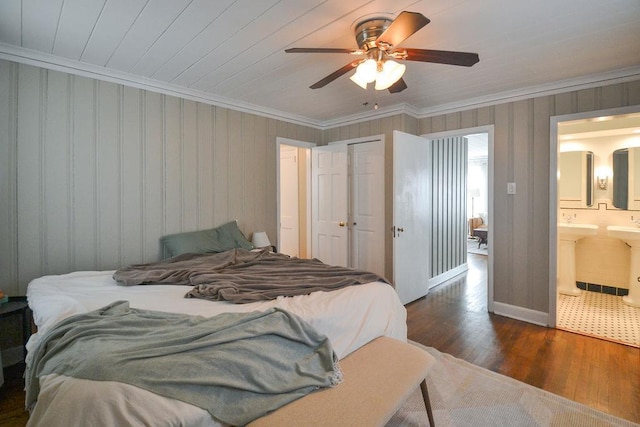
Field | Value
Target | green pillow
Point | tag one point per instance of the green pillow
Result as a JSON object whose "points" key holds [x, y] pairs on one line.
{"points": [[219, 239]]}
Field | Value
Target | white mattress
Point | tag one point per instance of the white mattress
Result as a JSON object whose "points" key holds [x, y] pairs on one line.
{"points": [[350, 317]]}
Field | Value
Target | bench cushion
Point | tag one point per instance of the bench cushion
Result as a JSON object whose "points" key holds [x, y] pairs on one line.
{"points": [[378, 378]]}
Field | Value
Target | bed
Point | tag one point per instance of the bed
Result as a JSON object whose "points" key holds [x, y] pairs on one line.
{"points": [[349, 317]]}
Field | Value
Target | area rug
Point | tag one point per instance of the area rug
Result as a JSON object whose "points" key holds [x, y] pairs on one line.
{"points": [[472, 247], [463, 394]]}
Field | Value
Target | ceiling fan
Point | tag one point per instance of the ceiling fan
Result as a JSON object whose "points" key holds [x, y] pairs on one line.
{"points": [[378, 40]]}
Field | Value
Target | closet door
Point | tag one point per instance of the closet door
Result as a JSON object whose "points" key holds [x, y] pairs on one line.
{"points": [[366, 207], [329, 204]]}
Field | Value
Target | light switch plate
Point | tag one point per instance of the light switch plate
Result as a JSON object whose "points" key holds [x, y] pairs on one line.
{"points": [[511, 188]]}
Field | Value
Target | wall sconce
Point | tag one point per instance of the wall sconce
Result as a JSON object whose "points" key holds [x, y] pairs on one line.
{"points": [[602, 174], [602, 182]]}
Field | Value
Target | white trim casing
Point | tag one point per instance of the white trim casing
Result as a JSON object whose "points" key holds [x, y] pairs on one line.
{"points": [[55, 63], [52, 62], [520, 313], [441, 278], [301, 144], [489, 130]]}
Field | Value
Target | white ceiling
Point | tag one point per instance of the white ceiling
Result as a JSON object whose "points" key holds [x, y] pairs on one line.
{"points": [[232, 52]]}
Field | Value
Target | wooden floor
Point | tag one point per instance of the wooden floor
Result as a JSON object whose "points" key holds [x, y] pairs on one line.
{"points": [[453, 318], [12, 411]]}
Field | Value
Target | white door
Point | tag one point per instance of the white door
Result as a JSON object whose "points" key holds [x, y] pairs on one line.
{"points": [[289, 203], [366, 216], [329, 204], [411, 215]]}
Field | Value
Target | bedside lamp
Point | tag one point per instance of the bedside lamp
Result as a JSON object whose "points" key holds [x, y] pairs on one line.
{"points": [[260, 239]]}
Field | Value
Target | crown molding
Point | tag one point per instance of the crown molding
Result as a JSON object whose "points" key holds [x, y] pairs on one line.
{"points": [[56, 63], [579, 83], [393, 110], [568, 85], [52, 62]]}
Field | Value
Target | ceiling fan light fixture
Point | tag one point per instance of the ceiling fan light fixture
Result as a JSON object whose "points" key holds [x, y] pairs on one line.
{"points": [[367, 70], [365, 73], [391, 73], [357, 79], [378, 38]]}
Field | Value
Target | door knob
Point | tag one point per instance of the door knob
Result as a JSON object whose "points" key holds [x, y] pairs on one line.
{"points": [[395, 229], [342, 224]]}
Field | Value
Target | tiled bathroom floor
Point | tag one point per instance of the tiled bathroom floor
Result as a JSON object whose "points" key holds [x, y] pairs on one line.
{"points": [[599, 315]]}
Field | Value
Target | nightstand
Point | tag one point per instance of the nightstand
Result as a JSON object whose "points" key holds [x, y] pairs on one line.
{"points": [[18, 306]]}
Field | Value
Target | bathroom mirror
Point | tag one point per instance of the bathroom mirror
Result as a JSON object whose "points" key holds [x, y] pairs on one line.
{"points": [[626, 178], [575, 180]]}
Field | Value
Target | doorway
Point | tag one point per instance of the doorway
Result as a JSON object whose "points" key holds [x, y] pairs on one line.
{"points": [[477, 192], [484, 133], [293, 197], [594, 292], [305, 202]]}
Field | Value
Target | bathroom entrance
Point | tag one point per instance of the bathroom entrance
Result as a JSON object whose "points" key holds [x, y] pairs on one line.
{"points": [[597, 208]]}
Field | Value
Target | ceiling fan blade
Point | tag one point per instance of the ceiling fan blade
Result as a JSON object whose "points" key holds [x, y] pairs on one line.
{"points": [[401, 28], [319, 50], [466, 59], [398, 86], [331, 77]]}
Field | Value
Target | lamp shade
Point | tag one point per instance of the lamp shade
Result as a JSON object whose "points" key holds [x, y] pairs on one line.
{"points": [[260, 239], [365, 73], [367, 70], [357, 79], [391, 73]]}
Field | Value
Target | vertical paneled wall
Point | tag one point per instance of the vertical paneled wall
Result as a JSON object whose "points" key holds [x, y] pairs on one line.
{"points": [[93, 173], [8, 178], [449, 203], [520, 227]]}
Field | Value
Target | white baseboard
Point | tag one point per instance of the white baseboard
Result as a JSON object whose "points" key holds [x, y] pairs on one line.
{"points": [[521, 313], [440, 279], [11, 356]]}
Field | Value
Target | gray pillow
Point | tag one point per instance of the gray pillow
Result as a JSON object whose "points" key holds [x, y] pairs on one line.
{"points": [[219, 239]]}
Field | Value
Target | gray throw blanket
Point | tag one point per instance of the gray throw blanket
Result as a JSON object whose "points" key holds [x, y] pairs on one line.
{"points": [[242, 276], [237, 366]]}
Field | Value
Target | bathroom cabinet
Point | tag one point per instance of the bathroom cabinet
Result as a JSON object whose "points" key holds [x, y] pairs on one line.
{"points": [[575, 181]]}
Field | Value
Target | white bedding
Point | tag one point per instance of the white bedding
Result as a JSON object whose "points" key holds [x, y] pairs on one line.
{"points": [[350, 317]]}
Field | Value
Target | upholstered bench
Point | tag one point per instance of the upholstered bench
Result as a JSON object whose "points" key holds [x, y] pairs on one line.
{"points": [[378, 379]]}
